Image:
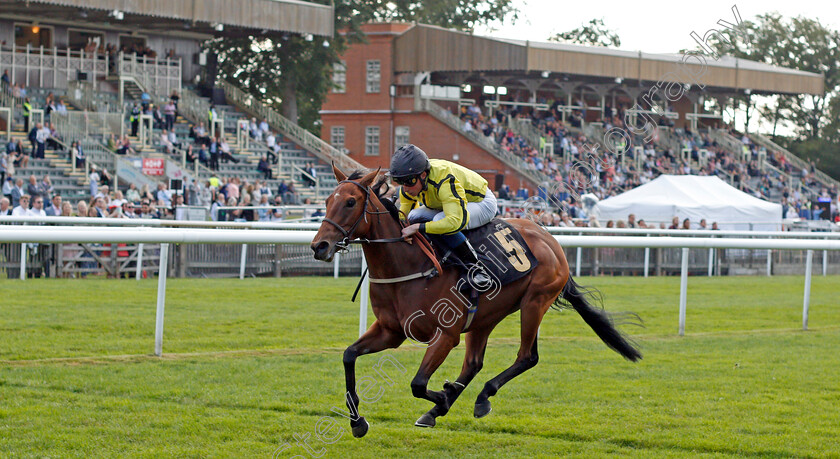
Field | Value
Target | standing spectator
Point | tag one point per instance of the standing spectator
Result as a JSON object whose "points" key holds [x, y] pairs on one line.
{"points": [[4, 166], [264, 167], [27, 113], [8, 186], [5, 80], [214, 208], [94, 180], [312, 178], [264, 126], [78, 154], [214, 154], [174, 97], [47, 189], [66, 209], [33, 139], [271, 143], [134, 119], [41, 138], [55, 208], [169, 114]]}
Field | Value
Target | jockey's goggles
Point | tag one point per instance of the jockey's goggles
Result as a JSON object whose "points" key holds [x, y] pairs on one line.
{"points": [[405, 181]]}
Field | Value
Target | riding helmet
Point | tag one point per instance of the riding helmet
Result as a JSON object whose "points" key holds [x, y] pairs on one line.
{"points": [[409, 160]]}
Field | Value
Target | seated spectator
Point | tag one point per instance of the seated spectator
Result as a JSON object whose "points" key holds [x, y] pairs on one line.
{"points": [[132, 195], [173, 139], [82, 209], [22, 209], [66, 209], [277, 212], [165, 142], [224, 152], [37, 209]]}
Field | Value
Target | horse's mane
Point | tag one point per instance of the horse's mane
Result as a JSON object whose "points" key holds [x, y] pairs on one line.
{"points": [[382, 191]]}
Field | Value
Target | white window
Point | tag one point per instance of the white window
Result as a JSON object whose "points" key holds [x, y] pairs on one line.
{"points": [[372, 141], [402, 136], [337, 137], [373, 76], [340, 77]]}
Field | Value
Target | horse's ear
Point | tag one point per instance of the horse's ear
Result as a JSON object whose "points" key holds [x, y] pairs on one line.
{"points": [[340, 176], [368, 179]]}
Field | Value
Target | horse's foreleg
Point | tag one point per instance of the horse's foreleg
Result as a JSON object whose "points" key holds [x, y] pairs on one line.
{"points": [[476, 342], [374, 340], [435, 355]]}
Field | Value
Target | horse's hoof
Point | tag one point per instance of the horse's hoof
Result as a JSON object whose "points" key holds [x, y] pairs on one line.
{"points": [[427, 420], [361, 428], [482, 408]]}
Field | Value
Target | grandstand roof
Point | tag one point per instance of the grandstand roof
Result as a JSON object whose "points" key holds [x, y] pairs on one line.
{"points": [[239, 17], [425, 48]]}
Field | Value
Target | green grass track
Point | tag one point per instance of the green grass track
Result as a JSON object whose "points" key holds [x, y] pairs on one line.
{"points": [[252, 365]]}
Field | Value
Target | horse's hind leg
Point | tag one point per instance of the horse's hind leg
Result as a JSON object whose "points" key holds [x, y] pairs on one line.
{"points": [[435, 355], [532, 313], [476, 342]]}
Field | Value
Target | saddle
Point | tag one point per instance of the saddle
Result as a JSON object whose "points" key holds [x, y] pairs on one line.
{"points": [[502, 251]]}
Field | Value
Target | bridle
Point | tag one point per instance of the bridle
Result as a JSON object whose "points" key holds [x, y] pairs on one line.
{"points": [[343, 245]]}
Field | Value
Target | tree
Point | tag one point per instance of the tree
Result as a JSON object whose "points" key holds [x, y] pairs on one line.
{"points": [[799, 43], [293, 73], [593, 33]]}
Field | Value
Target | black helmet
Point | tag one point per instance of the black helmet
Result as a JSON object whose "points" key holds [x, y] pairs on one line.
{"points": [[409, 160]]}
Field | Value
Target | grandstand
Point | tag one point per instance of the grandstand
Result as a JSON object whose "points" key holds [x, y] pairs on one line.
{"points": [[526, 114], [101, 59]]}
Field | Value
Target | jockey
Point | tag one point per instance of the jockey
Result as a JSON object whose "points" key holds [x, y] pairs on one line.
{"points": [[442, 198]]}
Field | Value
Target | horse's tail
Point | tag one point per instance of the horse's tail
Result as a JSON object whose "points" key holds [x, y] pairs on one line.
{"points": [[601, 321]]}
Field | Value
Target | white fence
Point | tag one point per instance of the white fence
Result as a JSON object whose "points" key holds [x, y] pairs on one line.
{"points": [[166, 236]]}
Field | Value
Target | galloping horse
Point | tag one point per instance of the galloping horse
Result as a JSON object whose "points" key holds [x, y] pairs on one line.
{"points": [[406, 300]]}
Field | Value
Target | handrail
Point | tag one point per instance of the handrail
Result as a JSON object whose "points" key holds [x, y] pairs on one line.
{"points": [[323, 150], [485, 143], [160, 76]]}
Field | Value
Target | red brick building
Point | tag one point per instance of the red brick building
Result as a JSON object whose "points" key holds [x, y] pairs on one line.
{"points": [[374, 113]]}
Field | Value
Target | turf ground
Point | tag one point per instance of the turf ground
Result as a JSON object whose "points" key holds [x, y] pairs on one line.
{"points": [[253, 365]]}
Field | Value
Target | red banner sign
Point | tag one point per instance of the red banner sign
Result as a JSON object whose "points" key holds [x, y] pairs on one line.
{"points": [[153, 166]]}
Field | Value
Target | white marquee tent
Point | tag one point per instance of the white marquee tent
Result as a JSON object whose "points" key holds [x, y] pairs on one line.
{"points": [[693, 197]]}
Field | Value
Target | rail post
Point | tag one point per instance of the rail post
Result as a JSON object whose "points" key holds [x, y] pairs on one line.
{"points": [[161, 298], [683, 289], [809, 261]]}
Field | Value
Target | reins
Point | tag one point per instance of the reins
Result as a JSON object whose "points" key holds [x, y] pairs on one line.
{"points": [[349, 239]]}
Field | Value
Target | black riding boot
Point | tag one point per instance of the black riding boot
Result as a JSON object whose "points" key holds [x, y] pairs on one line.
{"points": [[468, 256]]}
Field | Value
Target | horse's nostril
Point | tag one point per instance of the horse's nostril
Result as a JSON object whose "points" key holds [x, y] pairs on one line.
{"points": [[320, 248]]}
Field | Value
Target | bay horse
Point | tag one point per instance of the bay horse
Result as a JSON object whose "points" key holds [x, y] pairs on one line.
{"points": [[405, 304]]}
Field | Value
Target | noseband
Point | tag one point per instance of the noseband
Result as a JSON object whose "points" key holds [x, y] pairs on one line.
{"points": [[348, 234]]}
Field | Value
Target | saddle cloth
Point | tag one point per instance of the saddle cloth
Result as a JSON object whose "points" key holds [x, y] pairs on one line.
{"points": [[502, 251]]}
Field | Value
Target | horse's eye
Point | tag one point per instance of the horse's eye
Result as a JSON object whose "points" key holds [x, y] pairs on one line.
{"points": [[351, 202]]}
